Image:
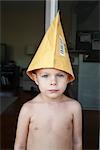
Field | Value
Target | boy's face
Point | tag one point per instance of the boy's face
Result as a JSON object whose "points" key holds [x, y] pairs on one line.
{"points": [[52, 82]]}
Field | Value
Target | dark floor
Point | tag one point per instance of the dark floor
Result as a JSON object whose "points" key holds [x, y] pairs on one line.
{"points": [[9, 121]]}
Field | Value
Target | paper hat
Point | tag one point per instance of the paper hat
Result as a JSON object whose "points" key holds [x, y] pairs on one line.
{"points": [[52, 52]]}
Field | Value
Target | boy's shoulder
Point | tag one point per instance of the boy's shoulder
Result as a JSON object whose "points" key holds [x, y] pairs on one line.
{"points": [[27, 108], [29, 104], [73, 103]]}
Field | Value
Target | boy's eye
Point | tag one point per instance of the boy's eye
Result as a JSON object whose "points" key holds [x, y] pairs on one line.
{"points": [[44, 76], [60, 75]]}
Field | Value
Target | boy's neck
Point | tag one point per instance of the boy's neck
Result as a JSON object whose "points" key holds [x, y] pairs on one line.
{"points": [[47, 99]]}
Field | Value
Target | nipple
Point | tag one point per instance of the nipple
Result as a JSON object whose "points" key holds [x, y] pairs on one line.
{"points": [[36, 128]]}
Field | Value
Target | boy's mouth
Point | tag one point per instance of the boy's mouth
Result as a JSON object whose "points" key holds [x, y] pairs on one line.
{"points": [[53, 91]]}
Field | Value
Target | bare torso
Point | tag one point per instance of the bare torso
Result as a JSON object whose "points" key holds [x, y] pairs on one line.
{"points": [[50, 126]]}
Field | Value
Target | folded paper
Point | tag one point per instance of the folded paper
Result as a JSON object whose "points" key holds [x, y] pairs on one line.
{"points": [[52, 52]]}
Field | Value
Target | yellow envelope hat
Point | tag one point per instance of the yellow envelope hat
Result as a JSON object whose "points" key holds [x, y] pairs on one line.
{"points": [[52, 52]]}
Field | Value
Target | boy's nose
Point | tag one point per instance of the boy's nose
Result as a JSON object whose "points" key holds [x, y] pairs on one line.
{"points": [[53, 81]]}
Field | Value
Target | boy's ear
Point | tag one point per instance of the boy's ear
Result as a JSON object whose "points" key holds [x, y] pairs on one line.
{"points": [[34, 77]]}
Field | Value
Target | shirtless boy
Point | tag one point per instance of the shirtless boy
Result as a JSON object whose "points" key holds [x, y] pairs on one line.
{"points": [[51, 120]]}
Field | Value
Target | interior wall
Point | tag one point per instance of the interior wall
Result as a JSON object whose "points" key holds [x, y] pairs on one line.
{"points": [[65, 8], [88, 79], [22, 26], [89, 18]]}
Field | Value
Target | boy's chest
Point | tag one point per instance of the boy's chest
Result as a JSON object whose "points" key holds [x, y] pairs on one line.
{"points": [[51, 117]]}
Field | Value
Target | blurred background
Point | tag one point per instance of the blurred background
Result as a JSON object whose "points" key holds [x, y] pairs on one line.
{"points": [[22, 27]]}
